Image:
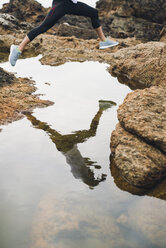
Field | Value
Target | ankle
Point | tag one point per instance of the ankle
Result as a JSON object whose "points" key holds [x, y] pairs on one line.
{"points": [[20, 49]]}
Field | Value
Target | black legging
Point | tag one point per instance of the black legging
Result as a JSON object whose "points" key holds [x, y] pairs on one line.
{"points": [[59, 9]]}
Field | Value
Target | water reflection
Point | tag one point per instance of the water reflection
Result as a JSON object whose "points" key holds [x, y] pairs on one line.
{"points": [[67, 145]]}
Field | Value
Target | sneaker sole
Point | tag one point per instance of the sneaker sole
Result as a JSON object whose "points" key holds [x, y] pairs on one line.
{"points": [[109, 46]]}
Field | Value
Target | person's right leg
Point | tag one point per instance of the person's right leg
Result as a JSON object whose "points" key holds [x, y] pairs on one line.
{"points": [[23, 44], [57, 11]]}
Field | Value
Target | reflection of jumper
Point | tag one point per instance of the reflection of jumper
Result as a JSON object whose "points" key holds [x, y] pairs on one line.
{"points": [[67, 144], [79, 168], [59, 9]]}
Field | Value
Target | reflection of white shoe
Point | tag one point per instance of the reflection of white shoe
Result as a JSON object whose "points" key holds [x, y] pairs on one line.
{"points": [[14, 54], [103, 104], [107, 43]]}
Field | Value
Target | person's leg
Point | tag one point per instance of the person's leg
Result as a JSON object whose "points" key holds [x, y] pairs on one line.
{"points": [[82, 9], [100, 33], [23, 44], [57, 11]]}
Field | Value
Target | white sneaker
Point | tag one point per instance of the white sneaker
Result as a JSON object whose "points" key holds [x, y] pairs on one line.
{"points": [[107, 43], [14, 54]]}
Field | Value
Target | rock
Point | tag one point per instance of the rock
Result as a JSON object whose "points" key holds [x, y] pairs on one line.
{"points": [[5, 77], [143, 113], [163, 35], [158, 190], [143, 19], [139, 142], [74, 20], [135, 27], [69, 30], [9, 24], [25, 11], [154, 10], [33, 12], [56, 49], [16, 96], [139, 163], [143, 65]]}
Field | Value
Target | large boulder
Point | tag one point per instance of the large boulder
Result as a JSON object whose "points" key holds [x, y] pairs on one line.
{"points": [[143, 65], [140, 163], [139, 142], [144, 113]]}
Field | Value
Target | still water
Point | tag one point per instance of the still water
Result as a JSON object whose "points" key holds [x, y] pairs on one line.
{"points": [[56, 187]]}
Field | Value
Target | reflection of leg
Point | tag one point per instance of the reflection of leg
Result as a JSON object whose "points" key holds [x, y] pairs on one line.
{"points": [[67, 145], [84, 134], [79, 168], [42, 125], [66, 142], [104, 105]]}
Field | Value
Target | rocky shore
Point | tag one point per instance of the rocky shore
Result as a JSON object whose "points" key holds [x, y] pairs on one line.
{"points": [[16, 97], [138, 144]]}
